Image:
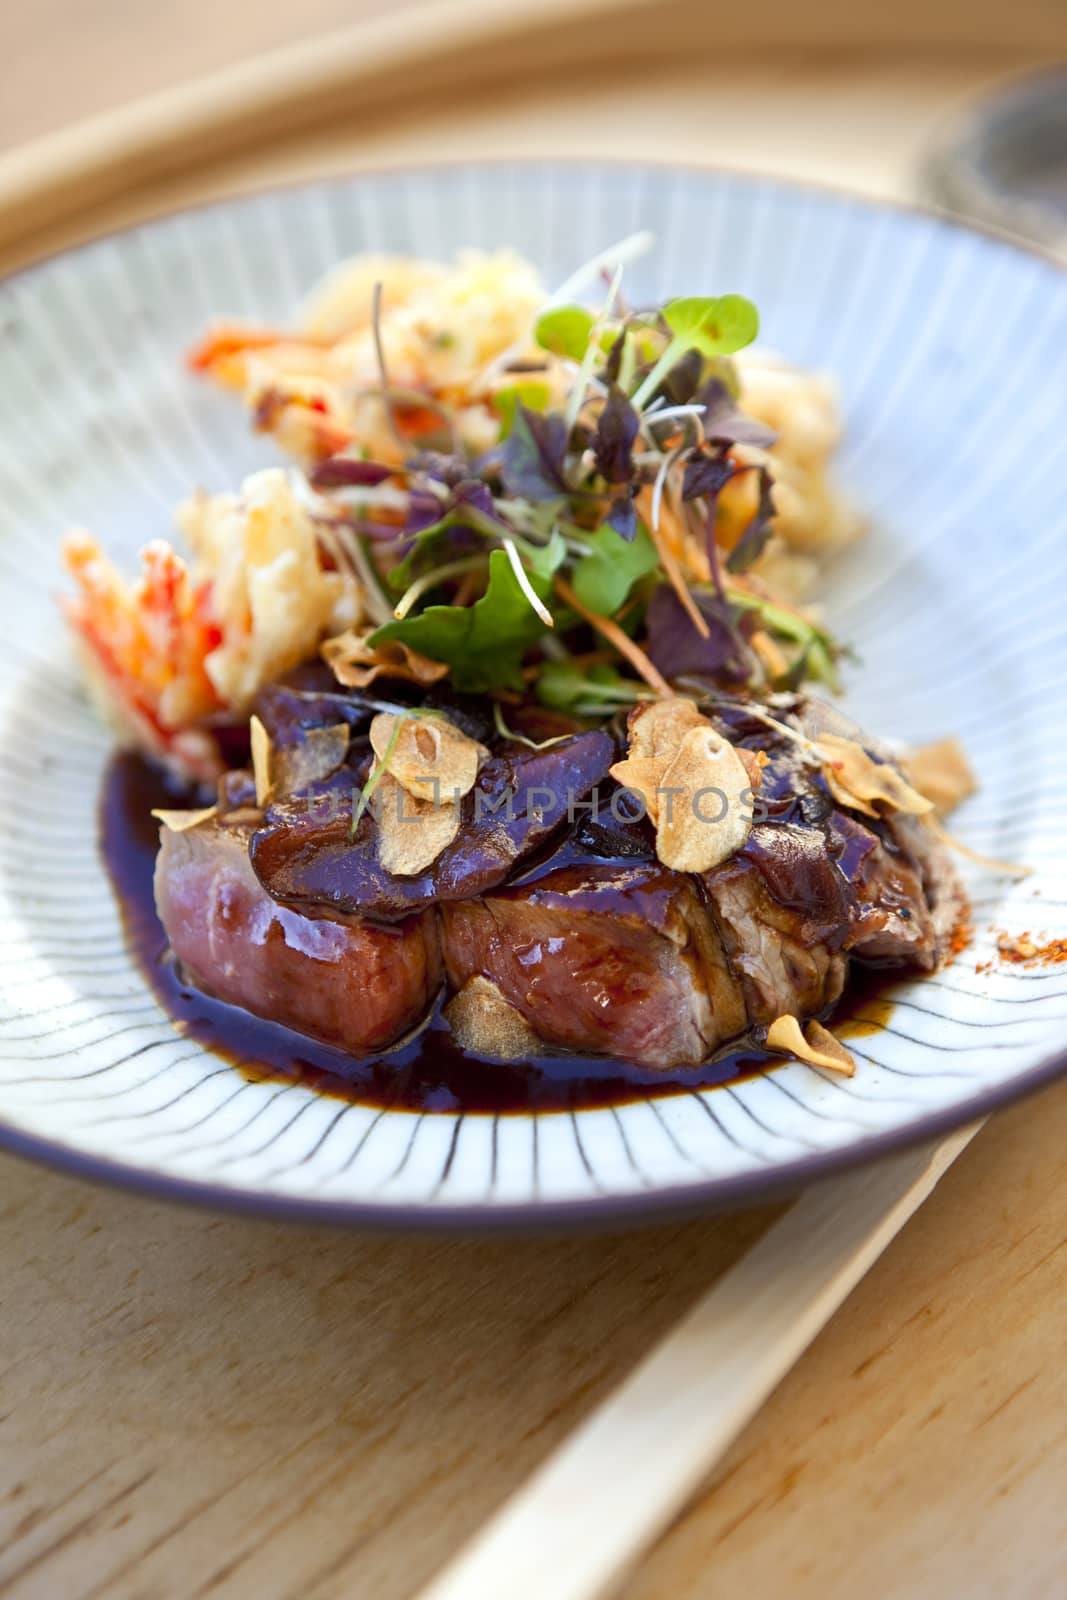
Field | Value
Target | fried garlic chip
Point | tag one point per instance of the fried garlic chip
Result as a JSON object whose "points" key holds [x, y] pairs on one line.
{"points": [[856, 779], [696, 787], [287, 769], [816, 1045], [411, 832], [260, 742], [427, 755], [483, 1021], [656, 730], [705, 810], [356, 664], [940, 771], [182, 821]]}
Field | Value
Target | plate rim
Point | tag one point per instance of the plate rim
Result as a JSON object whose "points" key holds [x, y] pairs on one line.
{"points": [[706, 1196]]}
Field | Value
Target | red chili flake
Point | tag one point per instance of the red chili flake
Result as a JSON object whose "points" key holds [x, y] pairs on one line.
{"points": [[961, 936], [1027, 950]]}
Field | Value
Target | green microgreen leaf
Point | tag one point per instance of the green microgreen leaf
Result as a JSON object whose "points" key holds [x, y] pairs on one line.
{"points": [[374, 776], [506, 402], [545, 559], [603, 579], [483, 643], [714, 325], [432, 543], [819, 647], [565, 331], [599, 692], [520, 738]]}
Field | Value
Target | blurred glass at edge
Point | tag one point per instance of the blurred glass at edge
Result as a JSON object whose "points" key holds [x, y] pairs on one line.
{"points": [[1004, 161]]}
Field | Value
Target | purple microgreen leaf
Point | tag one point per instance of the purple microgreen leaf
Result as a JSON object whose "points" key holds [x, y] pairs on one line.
{"points": [[622, 516], [476, 495], [680, 384], [677, 649], [613, 442], [534, 451], [753, 541], [447, 469], [342, 472], [726, 423], [706, 473], [424, 509], [613, 365]]}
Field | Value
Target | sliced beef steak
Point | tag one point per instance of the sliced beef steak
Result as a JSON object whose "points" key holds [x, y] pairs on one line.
{"points": [[616, 960], [562, 905], [357, 985], [627, 958]]}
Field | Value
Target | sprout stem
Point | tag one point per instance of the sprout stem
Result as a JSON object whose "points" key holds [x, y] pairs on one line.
{"points": [[430, 580], [526, 586]]}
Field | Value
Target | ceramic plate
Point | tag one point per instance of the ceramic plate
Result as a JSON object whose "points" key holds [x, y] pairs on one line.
{"points": [[950, 348]]}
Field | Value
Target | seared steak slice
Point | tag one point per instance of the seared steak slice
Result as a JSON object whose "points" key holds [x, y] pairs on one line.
{"points": [[564, 909], [353, 984], [618, 960], [909, 899], [630, 959], [782, 968]]}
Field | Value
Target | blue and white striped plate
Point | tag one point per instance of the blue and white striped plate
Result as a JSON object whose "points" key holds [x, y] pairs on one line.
{"points": [[951, 351]]}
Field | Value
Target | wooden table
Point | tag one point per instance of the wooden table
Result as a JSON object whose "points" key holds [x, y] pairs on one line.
{"points": [[196, 1405], [206, 1406]]}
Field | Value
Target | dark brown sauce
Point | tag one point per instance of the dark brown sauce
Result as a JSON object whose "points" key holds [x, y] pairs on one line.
{"points": [[866, 1005], [429, 1072]]}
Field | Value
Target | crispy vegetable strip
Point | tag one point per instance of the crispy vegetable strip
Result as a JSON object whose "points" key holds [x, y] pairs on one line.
{"points": [[614, 635]]}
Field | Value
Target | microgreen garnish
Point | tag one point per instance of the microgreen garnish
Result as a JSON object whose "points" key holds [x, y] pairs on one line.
{"points": [[520, 738], [604, 578], [753, 541], [483, 643], [608, 481], [564, 331], [715, 326], [616, 433], [600, 691], [533, 457], [530, 394], [821, 648]]}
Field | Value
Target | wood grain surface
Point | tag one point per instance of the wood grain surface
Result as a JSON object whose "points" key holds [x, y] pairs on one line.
{"points": [[206, 1406], [194, 1405]]}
